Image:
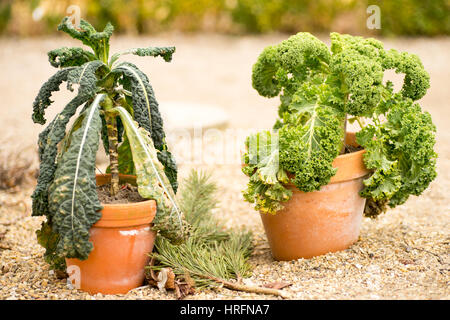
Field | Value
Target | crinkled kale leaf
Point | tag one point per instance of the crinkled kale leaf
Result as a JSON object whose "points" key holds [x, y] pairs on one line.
{"points": [[261, 160], [319, 89], [401, 154]]}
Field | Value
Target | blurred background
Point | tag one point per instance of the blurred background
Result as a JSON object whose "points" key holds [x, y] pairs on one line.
{"points": [[399, 17]]}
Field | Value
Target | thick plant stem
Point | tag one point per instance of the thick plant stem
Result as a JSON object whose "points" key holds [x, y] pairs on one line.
{"points": [[245, 288], [345, 135], [345, 121], [111, 125]]}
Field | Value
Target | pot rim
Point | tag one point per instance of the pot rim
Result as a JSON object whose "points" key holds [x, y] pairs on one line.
{"points": [[354, 153], [125, 214]]}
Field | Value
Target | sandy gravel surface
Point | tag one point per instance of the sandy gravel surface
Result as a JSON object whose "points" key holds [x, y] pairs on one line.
{"points": [[402, 255]]}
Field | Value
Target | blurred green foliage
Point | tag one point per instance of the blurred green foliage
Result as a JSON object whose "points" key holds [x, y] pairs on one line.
{"points": [[416, 17], [5, 15], [398, 17]]}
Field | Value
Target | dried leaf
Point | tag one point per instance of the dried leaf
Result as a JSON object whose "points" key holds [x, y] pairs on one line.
{"points": [[165, 279], [178, 292], [183, 289], [170, 283], [153, 279], [162, 279]]}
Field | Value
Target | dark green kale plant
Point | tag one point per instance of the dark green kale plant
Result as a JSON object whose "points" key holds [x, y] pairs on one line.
{"points": [[114, 103], [322, 88]]}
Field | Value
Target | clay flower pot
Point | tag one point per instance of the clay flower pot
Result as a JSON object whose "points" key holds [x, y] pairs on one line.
{"points": [[328, 220], [122, 240]]}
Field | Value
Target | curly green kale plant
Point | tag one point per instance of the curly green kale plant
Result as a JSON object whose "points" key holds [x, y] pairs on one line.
{"points": [[118, 106], [322, 88]]}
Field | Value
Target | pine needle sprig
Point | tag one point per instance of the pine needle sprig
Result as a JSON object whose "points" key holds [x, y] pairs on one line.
{"points": [[202, 261], [197, 199], [212, 255], [236, 253]]}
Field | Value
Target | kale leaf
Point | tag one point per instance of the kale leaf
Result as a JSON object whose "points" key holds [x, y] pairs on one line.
{"points": [[401, 153], [319, 88]]}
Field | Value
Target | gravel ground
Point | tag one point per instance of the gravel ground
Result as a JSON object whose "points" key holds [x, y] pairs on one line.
{"points": [[404, 254]]}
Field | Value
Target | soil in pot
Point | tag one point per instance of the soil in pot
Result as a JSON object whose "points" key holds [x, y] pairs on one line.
{"points": [[127, 194], [122, 240]]}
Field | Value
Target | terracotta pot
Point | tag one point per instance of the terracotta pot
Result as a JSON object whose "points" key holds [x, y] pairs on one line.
{"points": [[328, 220], [122, 239]]}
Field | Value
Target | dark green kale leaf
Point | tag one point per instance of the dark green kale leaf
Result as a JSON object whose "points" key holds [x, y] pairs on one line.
{"points": [[73, 201], [55, 132], [164, 52], [42, 100], [49, 239], [170, 167], [98, 41], [147, 115], [68, 57]]}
